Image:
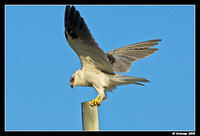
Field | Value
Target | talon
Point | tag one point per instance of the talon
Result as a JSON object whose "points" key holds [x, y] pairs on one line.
{"points": [[96, 101]]}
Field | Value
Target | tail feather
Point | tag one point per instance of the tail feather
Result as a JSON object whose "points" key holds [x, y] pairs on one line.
{"points": [[123, 80]]}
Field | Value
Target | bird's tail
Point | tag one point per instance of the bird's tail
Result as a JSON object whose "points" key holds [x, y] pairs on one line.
{"points": [[123, 80]]}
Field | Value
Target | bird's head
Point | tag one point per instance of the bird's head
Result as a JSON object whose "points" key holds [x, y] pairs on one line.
{"points": [[76, 79]]}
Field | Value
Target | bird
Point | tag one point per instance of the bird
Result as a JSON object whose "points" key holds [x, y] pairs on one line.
{"points": [[99, 69]]}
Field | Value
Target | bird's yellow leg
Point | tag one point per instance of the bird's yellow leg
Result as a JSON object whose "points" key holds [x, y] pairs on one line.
{"points": [[96, 101]]}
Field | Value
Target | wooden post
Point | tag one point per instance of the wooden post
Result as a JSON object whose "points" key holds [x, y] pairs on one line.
{"points": [[89, 117]]}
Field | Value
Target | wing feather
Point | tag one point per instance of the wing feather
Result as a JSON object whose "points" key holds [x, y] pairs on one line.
{"points": [[81, 41], [122, 58]]}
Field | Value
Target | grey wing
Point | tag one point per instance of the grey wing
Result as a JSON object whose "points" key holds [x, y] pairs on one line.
{"points": [[122, 58], [81, 41]]}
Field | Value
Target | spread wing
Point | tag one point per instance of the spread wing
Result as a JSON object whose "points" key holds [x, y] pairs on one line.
{"points": [[81, 41], [122, 58]]}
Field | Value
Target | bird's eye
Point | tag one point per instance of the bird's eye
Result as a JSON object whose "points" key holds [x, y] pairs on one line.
{"points": [[72, 79]]}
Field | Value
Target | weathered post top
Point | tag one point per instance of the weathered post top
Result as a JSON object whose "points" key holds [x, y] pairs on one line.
{"points": [[89, 117]]}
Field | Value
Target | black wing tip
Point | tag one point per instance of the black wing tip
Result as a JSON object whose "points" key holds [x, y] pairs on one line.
{"points": [[69, 6], [70, 13], [73, 8], [67, 9]]}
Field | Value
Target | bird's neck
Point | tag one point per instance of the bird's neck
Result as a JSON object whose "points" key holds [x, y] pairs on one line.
{"points": [[81, 78]]}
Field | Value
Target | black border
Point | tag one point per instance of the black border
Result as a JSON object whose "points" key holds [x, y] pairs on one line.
{"points": [[116, 2], [100, 2], [2, 53], [197, 43]]}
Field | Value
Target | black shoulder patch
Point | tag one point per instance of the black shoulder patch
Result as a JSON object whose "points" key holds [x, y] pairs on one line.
{"points": [[111, 58]]}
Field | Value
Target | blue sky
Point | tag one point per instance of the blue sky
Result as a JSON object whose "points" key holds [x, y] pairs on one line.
{"points": [[39, 64]]}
